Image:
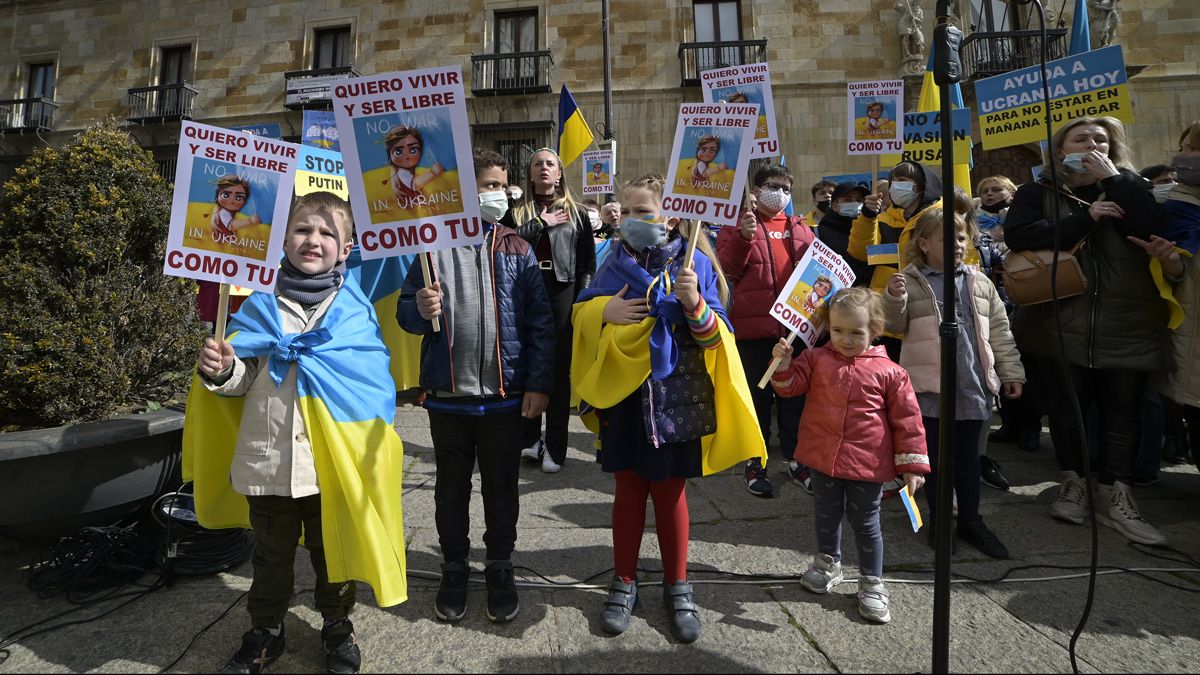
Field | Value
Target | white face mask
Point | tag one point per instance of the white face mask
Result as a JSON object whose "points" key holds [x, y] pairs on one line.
{"points": [[493, 205], [773, 201], [849, 210], [594, 217], [1074, 162], [902, 193], [1161, 191], [514, 193]]}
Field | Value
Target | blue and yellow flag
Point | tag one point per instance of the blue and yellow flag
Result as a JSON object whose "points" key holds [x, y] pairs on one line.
{"points": [[1081, 37], [348, 403], [929, 102], [381, 280], [574, 134]]}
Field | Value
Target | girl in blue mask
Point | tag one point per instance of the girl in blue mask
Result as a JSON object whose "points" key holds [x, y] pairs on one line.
{"points": [[660, 382]]}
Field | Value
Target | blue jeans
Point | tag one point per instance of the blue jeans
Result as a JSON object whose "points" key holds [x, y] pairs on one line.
{"points": [[860, 502]]}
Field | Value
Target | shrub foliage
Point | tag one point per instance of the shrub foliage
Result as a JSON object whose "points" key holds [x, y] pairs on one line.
{"points": [[89, 325]]}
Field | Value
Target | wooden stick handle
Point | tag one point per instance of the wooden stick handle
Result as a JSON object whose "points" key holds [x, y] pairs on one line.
{"points": [[425, 265], [222, 313], [762, 384], [691, 248]]}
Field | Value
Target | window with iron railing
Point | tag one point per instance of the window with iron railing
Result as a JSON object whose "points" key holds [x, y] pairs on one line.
{"points": [[39, 89], [516, 142]]}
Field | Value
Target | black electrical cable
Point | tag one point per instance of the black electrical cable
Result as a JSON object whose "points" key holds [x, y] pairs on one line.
{"points": [[202, 631]]}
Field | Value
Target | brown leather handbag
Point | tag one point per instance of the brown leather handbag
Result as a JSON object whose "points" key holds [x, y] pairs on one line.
{"points": [[1027, 275]]}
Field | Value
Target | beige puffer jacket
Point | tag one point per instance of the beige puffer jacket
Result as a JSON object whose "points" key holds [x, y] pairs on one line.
{"points": [[917, 317]]}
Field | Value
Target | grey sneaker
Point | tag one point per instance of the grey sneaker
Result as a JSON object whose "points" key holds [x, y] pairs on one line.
{"points": [[822, 575], [1071, 504], [685, 618], [873, 600], [618, 608], [1118, 511]]}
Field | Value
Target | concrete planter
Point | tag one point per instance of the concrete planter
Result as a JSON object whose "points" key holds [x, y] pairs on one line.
{"points": [[55, 481]]}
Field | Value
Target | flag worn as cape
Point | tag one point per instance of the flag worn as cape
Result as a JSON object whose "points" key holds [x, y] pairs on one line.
{"points": [[381, 280], [348, 402], [609, 362], [574, 135]]}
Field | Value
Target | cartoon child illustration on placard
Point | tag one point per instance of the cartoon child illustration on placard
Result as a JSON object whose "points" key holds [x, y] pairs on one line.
{"points": [[703, 175], [811, 291], [875, 122], [597, 176], [226, 209], [404, 147], [737, 97], [232, 194], [821, 289]]}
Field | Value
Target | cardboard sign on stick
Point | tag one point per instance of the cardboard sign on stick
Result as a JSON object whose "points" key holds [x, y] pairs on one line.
{"points": [[597, 171], [749, 83], [874, 123], [709, 161], [406, 146], [229, 211]]}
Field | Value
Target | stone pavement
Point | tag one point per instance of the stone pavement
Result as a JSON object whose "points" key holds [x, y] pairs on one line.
{"points": [[1136, 624]]}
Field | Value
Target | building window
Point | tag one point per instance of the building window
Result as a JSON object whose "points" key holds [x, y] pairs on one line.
{"points": [[331, 48], [39, 85], [989, 15], [174, 70], [516, 31], [718, 20], [516, 142]]}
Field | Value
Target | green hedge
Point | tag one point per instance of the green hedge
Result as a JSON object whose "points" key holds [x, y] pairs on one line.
{"points": [[89, 325]]}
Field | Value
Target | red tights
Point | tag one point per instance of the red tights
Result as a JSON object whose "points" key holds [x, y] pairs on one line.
{"points": [[670, 520]]}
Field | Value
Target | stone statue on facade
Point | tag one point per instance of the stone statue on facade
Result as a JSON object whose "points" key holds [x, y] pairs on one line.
{"points": [[912, 38], [1104, 18]]}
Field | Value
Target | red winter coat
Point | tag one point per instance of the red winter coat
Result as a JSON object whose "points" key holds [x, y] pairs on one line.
{"points": [[750, 266], [861, 420]]}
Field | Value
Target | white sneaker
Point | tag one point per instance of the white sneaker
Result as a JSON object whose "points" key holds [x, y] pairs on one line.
{"points": [[873, 600], [1117, 510], [822, 575], [533, 452], [549, 465], [1071, 504]]}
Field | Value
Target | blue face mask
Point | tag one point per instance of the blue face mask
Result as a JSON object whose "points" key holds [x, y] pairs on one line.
{"points": [[642, 234], [988, 221]]}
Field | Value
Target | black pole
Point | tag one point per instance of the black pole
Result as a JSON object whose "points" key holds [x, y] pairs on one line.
{"points": [[947, 71], [608, 119]]}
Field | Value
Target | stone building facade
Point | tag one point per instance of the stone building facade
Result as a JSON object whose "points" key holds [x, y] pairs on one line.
{"points": [[235, 57]]}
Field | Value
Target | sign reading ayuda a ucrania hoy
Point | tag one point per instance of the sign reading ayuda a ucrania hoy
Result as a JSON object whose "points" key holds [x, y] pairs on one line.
{"points": [[709, 161], [749, 83], [875, 119], [406, 146], [232, 195]]}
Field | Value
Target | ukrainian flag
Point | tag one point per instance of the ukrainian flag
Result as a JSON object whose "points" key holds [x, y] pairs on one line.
{"points": [[574, 135], [348, 404], [381, 280], [931, 101]]}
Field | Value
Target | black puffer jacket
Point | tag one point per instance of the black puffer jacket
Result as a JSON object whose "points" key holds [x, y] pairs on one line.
{"points": [[1120, 322]]}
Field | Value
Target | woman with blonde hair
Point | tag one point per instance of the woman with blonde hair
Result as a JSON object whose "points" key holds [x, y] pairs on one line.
{"points": [[559, 230], [1116, 333]]}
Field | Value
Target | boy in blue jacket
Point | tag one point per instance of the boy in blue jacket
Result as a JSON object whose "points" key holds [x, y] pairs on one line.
{"points": [[495, 314]]}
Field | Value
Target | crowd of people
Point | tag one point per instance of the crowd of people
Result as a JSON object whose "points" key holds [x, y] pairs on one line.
{"points": [[656, 334]]}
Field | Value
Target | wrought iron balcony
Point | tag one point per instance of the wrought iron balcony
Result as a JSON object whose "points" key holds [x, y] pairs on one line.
{"points": [[986, 54], [517, 73], [697, 57], [312, 88], [163, 103], [28, 114]]}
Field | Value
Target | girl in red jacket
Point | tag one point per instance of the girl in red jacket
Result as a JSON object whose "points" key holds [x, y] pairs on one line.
{"points": [[861, 428]]}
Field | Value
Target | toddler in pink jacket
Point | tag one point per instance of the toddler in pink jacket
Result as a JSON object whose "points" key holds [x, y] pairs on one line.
{"points": [[861, 428]]}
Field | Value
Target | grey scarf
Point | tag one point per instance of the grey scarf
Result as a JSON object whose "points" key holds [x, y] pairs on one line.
{"points": [[308, 289]]}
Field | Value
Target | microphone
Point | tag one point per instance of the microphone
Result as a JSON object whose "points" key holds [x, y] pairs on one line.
{"points": [[947, 65]]}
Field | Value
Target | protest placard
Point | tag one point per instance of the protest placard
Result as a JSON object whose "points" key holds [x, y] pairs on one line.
{"points": [[1091, 84], [819, 275], [228, 215], [923, 138], [264, 130], [321, 170], [750, 83], [320, 130], [597, 171], [874, 125], [406, 146], [709, 161]]}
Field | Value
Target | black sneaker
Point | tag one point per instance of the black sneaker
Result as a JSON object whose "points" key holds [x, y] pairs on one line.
{"points": [[1005, 434], [342, 654], [259, 649], [1030, 440], [1175, 450], [977, 534], [756, 479], [502, 601], [989, 472], [451, 601]]}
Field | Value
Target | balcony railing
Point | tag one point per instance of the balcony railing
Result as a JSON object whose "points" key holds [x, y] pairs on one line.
{"points": [[311, 88], [697, 57], [517, 73], [162, 103], [28, 114], [986, 54]]}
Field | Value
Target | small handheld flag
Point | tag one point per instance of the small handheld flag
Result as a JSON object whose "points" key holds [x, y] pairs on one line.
{"points": [[883, 254], [910, 505], [574, 134]]}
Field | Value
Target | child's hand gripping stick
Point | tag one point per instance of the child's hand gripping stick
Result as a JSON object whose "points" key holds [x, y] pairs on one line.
{"points": [[775, 362], [437, 324]]}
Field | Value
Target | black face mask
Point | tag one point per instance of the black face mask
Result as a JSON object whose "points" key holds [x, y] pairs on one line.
{"points": [[823, 207], [995, 208], [1187, 169]]}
